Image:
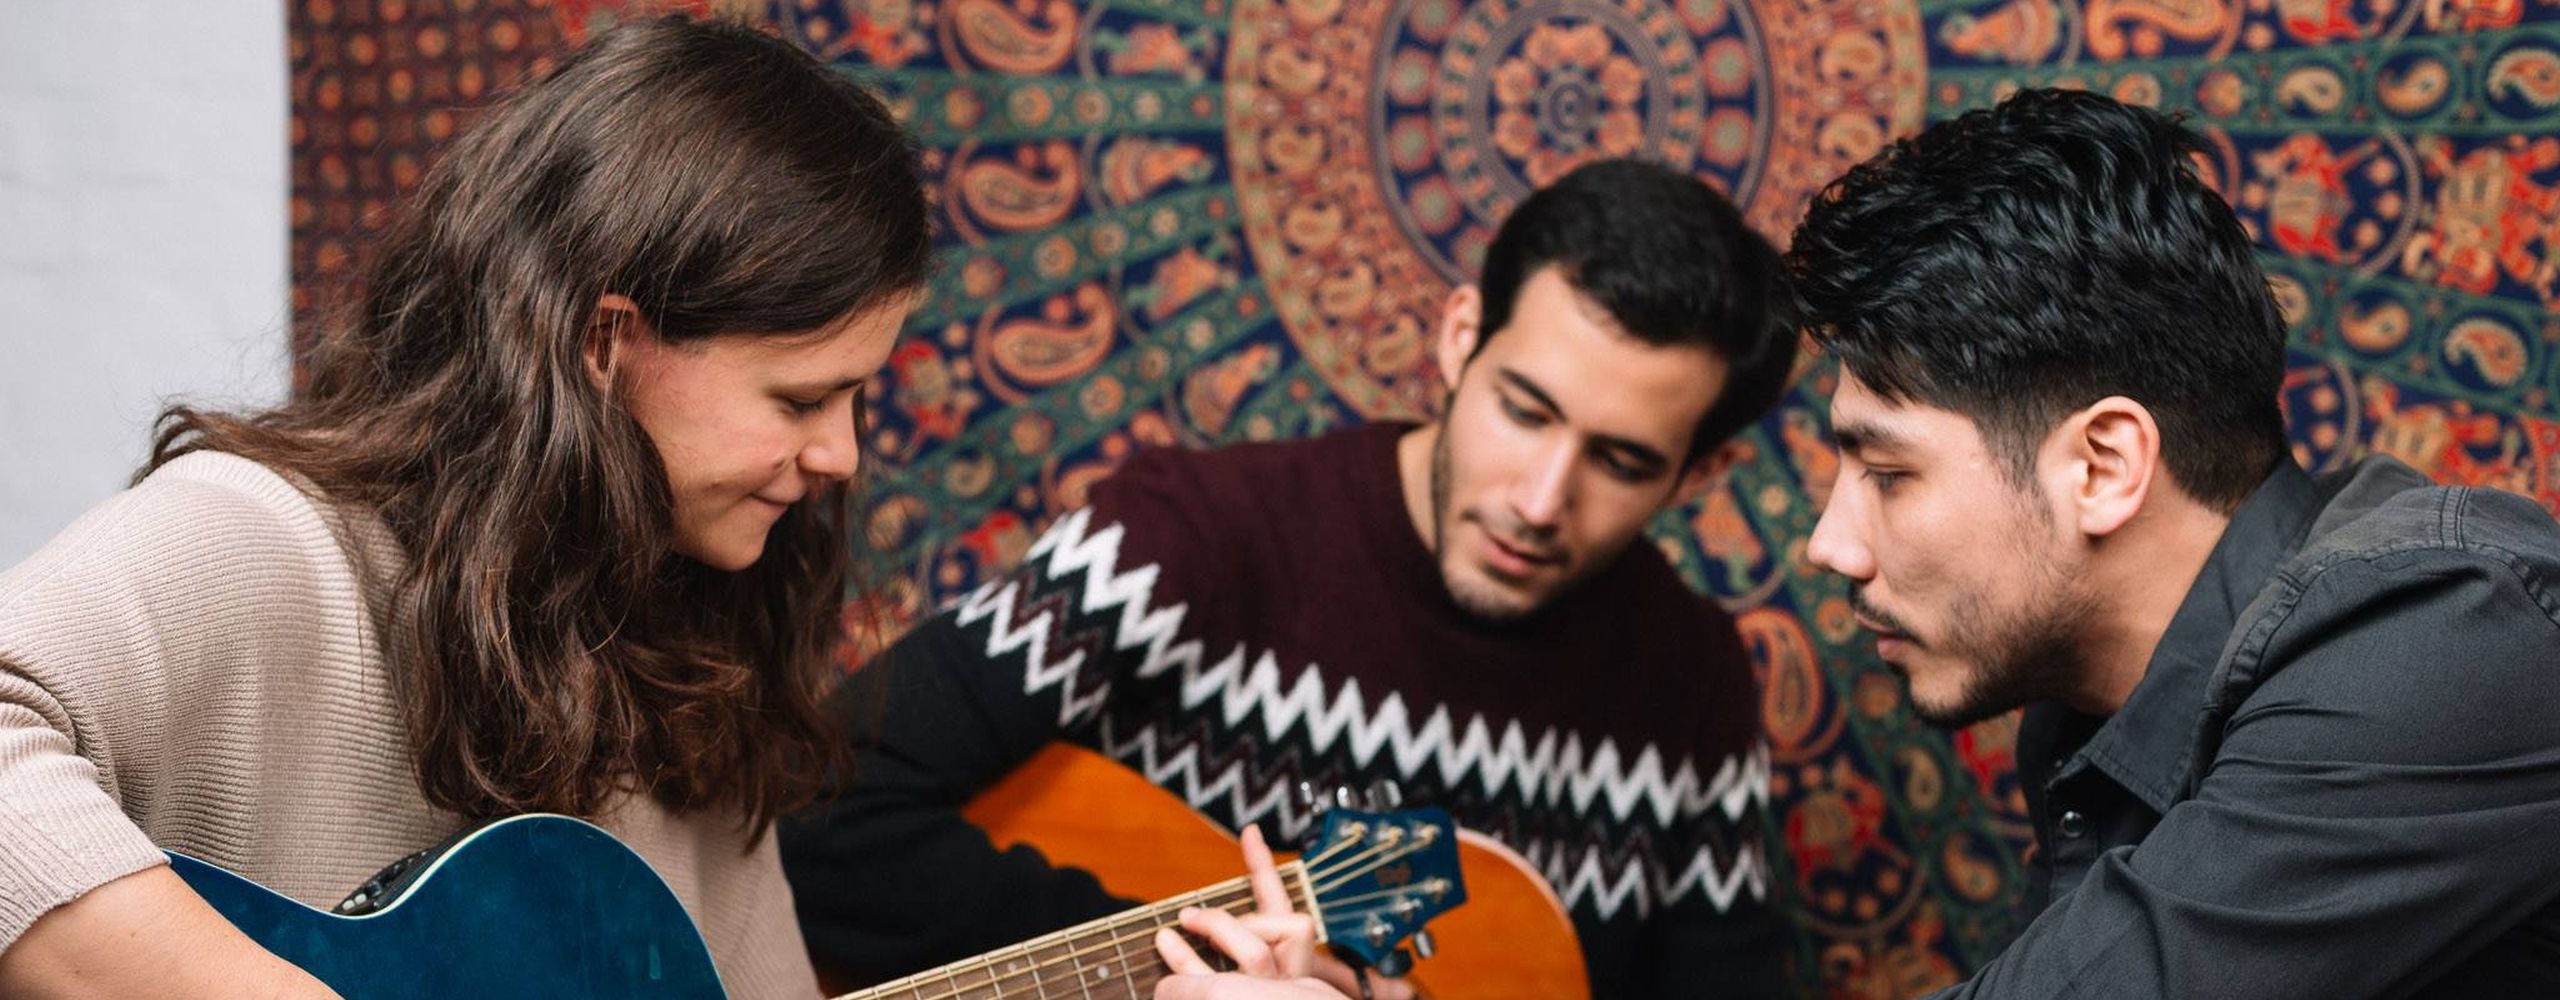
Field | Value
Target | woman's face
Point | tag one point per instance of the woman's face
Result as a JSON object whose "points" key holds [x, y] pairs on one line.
{"points": [[749, 424]]}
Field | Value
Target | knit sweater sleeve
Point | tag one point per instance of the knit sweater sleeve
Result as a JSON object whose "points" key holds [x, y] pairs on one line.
{"points": [[888, 876], [148, 604]]}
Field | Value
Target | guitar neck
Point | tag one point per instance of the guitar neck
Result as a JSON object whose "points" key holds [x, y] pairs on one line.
{"points": [[1112, 958]]}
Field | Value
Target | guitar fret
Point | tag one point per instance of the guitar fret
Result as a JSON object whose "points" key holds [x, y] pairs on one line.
{"points": [[1077, 963], [1028, 963], [1101, 962], [974, 983], [1128, 971], [1051, 968]]}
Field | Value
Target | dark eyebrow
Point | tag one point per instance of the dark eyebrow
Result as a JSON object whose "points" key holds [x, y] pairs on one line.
{"points": [[1861, 436], [1634, 451], [819, 388], [1522, 383]]}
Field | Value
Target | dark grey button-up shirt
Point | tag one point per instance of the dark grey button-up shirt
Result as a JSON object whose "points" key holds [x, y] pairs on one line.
{"points": [[2340, 776]]}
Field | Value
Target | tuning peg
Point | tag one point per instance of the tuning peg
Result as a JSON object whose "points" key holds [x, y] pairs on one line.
{"points": [[1384, 794], [1394, 963], [1343, 798], [1423, 946], [1308, 800]]}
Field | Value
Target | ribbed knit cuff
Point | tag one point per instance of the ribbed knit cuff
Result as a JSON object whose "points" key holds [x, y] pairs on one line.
{"points": [[64, 836]]}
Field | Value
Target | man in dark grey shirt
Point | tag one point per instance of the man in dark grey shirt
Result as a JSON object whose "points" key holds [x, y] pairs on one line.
{"points": [[2286, 736]]}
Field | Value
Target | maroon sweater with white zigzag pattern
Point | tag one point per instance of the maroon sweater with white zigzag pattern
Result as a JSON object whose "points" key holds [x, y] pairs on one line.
{"points": [[1241, 620]]}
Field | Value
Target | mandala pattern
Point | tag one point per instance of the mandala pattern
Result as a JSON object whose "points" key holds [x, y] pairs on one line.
{"points": [[1201, 221], [1377, 146]]}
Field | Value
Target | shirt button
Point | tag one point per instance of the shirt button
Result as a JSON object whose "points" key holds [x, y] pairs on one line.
{"points": [[2072, 824]]}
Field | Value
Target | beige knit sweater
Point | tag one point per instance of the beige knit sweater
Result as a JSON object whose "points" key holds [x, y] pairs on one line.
{"points": [[195, 665]]}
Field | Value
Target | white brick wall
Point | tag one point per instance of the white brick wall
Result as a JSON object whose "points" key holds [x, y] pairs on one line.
{"points": [[142, 235]]}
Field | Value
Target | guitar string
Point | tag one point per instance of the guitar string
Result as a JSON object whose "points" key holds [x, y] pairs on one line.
{"points": [[1367, 864], [1386, 851], [1401, 890], [1148, 915], [1356, 866], [915, 986]]}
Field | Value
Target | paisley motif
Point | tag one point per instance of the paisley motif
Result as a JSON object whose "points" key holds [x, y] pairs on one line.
{"points": [[1002, 36]]}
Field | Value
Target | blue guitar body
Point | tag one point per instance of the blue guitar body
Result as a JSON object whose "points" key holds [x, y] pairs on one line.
{"points": [[534, 906]]}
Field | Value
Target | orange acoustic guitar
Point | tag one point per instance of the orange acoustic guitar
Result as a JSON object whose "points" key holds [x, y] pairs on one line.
{"points": [[1511, 938]]}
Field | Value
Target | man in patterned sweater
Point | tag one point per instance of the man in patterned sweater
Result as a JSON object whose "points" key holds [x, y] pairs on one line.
{"points": [[1465, 607]]}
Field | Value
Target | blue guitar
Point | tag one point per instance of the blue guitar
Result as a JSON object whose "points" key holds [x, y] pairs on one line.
{"points": [[546, 906]]}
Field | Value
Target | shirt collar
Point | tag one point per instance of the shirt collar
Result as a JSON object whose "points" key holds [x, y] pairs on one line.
{"points": [[2145, 746]]}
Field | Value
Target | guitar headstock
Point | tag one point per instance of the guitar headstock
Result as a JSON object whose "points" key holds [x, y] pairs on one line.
{"points": [[1375, 877]]}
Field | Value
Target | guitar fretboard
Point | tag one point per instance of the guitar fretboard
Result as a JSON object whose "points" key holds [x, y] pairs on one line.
{"points": [[1113, 958]]}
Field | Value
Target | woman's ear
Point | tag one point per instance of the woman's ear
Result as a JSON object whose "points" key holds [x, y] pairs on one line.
{"points": [[611, 329]]}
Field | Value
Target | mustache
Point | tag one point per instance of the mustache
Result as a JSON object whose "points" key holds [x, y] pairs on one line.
{"points": [[1882, 619]]}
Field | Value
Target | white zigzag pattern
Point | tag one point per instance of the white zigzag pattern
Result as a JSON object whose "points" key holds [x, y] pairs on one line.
{"points": [[1555, 768], [1587, 875]]}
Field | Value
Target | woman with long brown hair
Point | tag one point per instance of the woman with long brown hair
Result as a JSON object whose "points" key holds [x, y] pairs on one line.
{"points": [[557, 524]]}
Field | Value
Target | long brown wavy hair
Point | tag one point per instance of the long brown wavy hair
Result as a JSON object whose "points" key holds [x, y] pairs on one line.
{"points": [[557, 650]]}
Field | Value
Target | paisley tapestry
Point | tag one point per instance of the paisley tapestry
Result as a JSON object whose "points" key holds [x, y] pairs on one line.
{"points": [[1188, 222]]}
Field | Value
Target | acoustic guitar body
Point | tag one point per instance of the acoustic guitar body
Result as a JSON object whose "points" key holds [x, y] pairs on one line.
{"points": [[1084, 810], [524, 908]]}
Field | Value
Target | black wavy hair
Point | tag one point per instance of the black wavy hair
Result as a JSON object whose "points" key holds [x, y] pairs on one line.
{"points": [[2018, 263]]}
